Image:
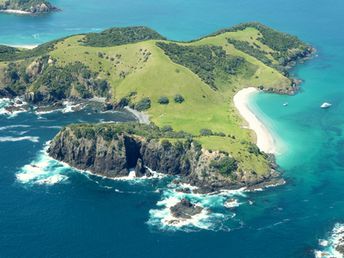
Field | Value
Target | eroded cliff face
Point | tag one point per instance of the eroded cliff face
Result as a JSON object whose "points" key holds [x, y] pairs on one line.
{"points": [[117, 156]]}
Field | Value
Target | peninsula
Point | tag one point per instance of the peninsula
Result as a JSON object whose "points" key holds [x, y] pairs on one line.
{"points": [[185, 88], [26, 7]]}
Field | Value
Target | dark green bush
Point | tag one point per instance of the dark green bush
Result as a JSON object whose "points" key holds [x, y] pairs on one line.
{"points": [[206, 132], [166, 144], [252, 148], [167, 128], [225, 165], [143, 104], [179, 98], [163, 100]]}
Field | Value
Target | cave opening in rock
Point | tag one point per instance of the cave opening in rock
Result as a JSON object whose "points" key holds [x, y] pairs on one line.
{"points": [[132, 151]]}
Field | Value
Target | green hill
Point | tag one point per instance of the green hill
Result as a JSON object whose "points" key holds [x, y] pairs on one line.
{"points": [[188, 86]]}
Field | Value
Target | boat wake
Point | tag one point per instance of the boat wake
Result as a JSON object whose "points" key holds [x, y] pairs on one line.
{"points": [[334, 245], [215, 214]]}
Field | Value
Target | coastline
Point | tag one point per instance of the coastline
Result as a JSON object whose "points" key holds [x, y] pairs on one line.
{"points": [[265, 140]]}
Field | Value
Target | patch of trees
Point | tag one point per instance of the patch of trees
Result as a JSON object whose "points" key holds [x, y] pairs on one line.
{"points": [[247, 48], [253, 149], [111, 131], [56, 81], [225, 165], [276, 40], [205, 61], [13, 54], [208, 132], [120, 36]]}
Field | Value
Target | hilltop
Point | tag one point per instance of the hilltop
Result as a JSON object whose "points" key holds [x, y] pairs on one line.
{"points": [[26, 6], [183, 86]]}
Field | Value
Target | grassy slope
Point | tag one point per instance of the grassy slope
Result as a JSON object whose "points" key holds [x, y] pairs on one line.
{"points": [[159, 76]]}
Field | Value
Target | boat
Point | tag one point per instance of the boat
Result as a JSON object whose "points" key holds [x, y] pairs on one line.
{"points": [[285, 104], [326, 105]]}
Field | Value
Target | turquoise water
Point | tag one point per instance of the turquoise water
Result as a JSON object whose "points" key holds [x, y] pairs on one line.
{"points": [[63, 213]]}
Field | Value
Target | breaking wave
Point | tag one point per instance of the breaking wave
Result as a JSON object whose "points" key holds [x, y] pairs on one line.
{"points": [[16, 103], [215, 216], [334, 245], [43, 171]]}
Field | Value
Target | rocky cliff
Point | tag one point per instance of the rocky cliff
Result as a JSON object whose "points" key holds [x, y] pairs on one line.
{"points": [[113, 152]]}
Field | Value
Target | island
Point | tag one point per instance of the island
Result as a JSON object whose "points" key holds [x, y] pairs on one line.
{"points": [[26, 7], [187, 90]]}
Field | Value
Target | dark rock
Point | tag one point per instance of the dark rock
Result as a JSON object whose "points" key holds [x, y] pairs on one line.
{"points": [[185, 209], [184, 190], [108, 106], [33, 97], [140, 170], [7, 93]]}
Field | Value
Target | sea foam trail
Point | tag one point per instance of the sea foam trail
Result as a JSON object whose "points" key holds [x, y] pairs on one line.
{"points": [[214, 216], [2, 128], [329, 247], [18, 139]]}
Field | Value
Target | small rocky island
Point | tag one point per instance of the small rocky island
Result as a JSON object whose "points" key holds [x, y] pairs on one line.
{"points": [[31, 7], [185, 209]]}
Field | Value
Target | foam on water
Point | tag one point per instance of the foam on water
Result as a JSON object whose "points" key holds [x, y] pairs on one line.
{"points": [[3, 128], [43, 171], [131, 177], [69, 107], [16, 103], [214, 216], [328, 248], [5, 102], [18, 139]]}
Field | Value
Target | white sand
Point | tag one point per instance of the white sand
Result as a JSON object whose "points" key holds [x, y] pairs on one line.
{"points": [[12, 11], [265, 141], [142, 117], [24, 46]]}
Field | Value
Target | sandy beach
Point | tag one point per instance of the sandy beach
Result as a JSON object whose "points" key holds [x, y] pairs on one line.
{"points": [[24, 46], [11, 11], [265, 140]]}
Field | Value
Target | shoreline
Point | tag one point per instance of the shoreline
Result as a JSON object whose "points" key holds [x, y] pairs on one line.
{"points": [[140, 116], [264, 139]]}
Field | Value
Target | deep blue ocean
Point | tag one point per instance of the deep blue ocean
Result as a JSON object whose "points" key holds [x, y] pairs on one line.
{"points": [[50, 210]]}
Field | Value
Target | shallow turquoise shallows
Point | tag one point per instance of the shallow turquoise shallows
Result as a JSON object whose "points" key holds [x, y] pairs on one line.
{"points": [[49, 210]]}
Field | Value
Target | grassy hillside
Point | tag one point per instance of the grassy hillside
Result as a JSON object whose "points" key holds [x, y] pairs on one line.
{"points": [[188, 86]]}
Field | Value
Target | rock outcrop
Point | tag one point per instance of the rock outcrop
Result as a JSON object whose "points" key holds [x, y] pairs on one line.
{"points": [[117, 154], [185, 209]]}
